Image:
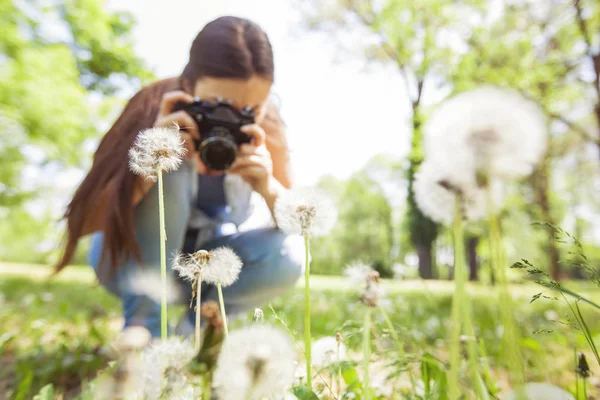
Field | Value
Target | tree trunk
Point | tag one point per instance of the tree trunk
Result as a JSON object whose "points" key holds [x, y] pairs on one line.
{"points": [[540, 182], [423, 231], [472, 243], [425, 261]]}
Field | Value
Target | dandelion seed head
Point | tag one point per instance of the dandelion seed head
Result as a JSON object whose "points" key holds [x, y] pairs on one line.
{"points": [[365, 277], [436, 191], [489, 128], [305, 211], [325, 351], [259, 316], [223, 267], [187, 266], [156, 149], [162, 364], [358, 273], [149, 283], [255, 362]]}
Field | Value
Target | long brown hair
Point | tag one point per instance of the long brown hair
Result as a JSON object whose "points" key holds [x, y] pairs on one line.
{"points": [[227, 47]]}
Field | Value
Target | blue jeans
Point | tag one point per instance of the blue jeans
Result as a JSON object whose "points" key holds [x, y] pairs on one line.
{"points": [[272, 261]]}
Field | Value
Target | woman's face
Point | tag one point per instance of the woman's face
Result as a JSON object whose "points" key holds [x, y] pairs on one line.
{"points": [[253, 92]]}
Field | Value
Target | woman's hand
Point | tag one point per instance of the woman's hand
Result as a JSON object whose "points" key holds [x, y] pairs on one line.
{"points": [[167, 118], [253, 162]]}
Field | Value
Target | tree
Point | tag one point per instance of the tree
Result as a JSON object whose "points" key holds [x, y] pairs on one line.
{"points": [[535, 47], [413, 35], [62, 64]]}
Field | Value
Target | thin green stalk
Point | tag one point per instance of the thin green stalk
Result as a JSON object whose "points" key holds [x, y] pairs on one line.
{"points": [[576, 375], [339, 371], [163, 257], [462, 315], [222, 306], [307, 335], [198, 301], [453, 387], [585, 396], [393, 332], [511, 335], [366, 353], [583, 326]]}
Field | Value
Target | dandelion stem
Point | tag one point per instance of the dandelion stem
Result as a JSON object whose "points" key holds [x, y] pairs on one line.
{"points": [[222, 307], [511, 335], [307, 335], [339, 370], [163, 257], [198, 293], [393, 332], [456, 303], [366, 353]]}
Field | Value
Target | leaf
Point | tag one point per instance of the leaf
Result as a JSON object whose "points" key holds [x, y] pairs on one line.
{"points": [[24, 385], [349, 374], [304, 393], [46, 393]]}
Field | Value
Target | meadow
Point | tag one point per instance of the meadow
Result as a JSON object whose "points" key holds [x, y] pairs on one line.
{"points": [[54, 332]]}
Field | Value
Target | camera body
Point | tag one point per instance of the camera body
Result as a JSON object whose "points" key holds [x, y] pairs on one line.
{"points": [[219, 126]]}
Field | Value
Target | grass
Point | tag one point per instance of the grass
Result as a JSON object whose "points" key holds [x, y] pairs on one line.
{"points": [[54, 331]]}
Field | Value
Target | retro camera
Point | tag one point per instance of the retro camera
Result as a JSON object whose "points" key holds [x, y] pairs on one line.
{"points": [[219, 125]]}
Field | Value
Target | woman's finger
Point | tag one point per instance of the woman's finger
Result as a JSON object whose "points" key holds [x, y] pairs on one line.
{"points": [[182, 119], [256, 132], [170, 99]]}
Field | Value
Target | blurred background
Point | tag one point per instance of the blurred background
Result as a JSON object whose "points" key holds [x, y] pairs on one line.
{"points": [[354, 81]]}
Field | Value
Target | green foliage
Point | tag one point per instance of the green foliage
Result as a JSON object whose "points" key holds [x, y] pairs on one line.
{"points": [[365, 229], [61, 64], [55, 330]]}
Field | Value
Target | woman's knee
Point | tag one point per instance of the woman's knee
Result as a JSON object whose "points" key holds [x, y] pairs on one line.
{"points": [[289, 260]]}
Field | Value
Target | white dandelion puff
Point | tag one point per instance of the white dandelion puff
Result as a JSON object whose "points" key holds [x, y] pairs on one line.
{"points": [[436, 192], [154, 150], [188, 266], [325, 352], [223, 267], [149, 283], [163, 364], [305, 211], [255, 362], [259, 316], [491, 130], [365, 277], [358, 273]]}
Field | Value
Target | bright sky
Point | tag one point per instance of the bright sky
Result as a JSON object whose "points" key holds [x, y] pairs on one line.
{"points": [[338, 115]]}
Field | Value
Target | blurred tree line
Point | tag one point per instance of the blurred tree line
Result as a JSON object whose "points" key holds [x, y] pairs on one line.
{"points": [[62, 66], [65, 65], [548, 50]]}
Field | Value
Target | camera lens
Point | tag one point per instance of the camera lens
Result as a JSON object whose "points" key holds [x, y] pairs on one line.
{"points": [[218, 153]]}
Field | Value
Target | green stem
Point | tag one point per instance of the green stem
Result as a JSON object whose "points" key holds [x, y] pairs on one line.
{"points": [[307, 335], [339, 371], [222, 306], [585, 396], [453, 387], [393, 332], [511, 335], [576, 375], [366, 353], [163, 257], [198, 293]]}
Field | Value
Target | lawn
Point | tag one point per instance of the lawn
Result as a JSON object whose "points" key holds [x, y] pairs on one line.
{"points": [[54, 331]]}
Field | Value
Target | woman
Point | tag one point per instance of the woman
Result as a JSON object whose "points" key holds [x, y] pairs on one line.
{"points": [[231, 58]]}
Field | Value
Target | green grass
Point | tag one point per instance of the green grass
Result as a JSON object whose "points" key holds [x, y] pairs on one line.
{"points": [[52, 331]]}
